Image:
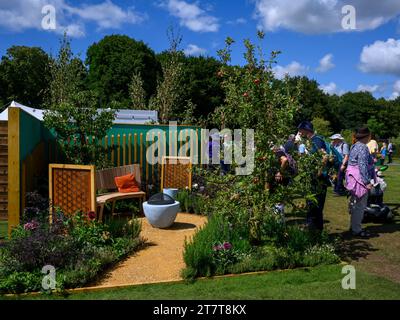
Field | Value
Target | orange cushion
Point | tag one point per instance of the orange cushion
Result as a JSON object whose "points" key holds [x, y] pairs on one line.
{"points": [[127, 183]]}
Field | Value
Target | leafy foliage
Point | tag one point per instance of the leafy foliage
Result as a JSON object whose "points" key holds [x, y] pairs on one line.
{"points": [[78, 247], [137, 93], [322, 127], [73, 114], [78, 126], [24, 75], [112, 61]]}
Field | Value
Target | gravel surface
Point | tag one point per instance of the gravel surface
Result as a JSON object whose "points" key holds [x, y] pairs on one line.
{"points": [[161, 259]]}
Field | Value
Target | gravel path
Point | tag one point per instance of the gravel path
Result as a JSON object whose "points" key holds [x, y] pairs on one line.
{"points": [[161, 260]]}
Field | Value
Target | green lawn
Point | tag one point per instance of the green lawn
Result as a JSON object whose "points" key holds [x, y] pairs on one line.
{"points": [[379, 255], [3, 229], [323, 282], [377, 263]]}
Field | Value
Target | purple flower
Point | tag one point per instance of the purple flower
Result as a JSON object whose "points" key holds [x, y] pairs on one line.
{"points": [[227, 246], [31, 225]]}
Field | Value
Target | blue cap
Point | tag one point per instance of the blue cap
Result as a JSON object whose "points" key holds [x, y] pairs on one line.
{"points": [[306, 125]]}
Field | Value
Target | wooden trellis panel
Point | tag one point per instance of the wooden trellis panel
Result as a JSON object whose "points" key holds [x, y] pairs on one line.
{"points": [[72, 188], [176, 172]]}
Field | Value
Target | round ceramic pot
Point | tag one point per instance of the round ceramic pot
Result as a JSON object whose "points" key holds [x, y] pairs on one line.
{"points": [[172, 192], [161, 216]]}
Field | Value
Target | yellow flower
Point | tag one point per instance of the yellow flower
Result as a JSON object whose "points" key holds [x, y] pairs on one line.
{"points": [[106, 235]]}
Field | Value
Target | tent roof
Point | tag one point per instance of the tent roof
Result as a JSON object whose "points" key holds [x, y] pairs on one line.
{"points": [[125, 116]]}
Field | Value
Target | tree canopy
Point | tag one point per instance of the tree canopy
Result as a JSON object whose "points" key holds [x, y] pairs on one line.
{"points": [[120, 70], [24, 75], [113, 61]]}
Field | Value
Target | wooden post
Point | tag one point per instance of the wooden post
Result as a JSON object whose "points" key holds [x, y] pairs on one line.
{"points": [[130, 148], [124, 149], [106, 145], [14, 166], [141, 153], [112, 150], [118, 151]]}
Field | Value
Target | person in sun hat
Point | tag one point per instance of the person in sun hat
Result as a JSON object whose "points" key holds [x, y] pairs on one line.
{"points": [[342, 147], [360, 177], [315, 210]]}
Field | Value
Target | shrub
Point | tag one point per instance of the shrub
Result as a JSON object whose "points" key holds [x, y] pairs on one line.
{"points": [[36, 207], [79, 248], [201, 255], [320, 254]]}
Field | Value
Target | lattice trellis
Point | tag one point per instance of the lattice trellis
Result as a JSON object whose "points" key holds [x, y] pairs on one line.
{"points": [[176, 172], [72, 188]]}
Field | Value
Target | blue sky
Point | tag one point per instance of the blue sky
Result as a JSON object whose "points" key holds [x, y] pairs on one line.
{"points": [[308, 32]]}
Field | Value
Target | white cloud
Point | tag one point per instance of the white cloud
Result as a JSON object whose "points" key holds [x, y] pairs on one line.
{"points": [[396, 90], [237, 21], [293, 69], [107, 15], [381, 57], [192, 16], [20, 15], [194, 50], [326, 64], [331, 88], [371, 88], [322, 16]]}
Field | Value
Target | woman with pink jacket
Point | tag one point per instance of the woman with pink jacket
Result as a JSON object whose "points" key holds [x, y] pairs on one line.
{"points": [[360, 175]]}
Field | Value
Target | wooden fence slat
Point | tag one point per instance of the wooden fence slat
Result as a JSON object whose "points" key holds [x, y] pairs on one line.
{"points": [[141, 154], [112, 150], [135, 148], [124, 149], [130, 148], [118, 151]]}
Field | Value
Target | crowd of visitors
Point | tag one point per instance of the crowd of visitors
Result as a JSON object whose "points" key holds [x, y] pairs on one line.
{"points": [[354, 166], [355, 171]]}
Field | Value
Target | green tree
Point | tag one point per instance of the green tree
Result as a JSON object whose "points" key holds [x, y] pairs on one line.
{"points": [[253, 102], [137, 93], [73, 114], [202, 84], [112, 62], [67, 74], [322, 127], [24, 75], [313, 100], [355, 108], [169, 88]]}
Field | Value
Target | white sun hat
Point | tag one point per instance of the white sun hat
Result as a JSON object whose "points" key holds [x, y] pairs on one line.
{"points": [[336, 136]]}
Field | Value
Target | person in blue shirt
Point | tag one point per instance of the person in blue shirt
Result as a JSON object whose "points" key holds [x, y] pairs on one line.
{"points": [[383, 154], [342, 147], [315, 219]]}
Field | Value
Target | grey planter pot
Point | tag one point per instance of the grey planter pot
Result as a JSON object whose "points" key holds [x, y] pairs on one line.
{"points": [[161, 216], [172, 192]]}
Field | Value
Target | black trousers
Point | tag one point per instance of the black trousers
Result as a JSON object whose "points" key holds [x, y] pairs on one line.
{"points": [[339, 187], [315, 216], [390, 157]]}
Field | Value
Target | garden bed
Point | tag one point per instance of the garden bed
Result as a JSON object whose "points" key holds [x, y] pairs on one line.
{"points": [[78, 250]]}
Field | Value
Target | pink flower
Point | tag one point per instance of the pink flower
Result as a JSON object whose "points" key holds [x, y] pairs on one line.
{"points": [[227, 246], [31, 225], [217, 248]]}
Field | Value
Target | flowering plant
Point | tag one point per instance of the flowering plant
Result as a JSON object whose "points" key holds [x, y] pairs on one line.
{"points": [[31, 225], [224, 255]]}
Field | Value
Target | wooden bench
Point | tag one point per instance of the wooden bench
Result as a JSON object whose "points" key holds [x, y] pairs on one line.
{"points": [[105, 182]]}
